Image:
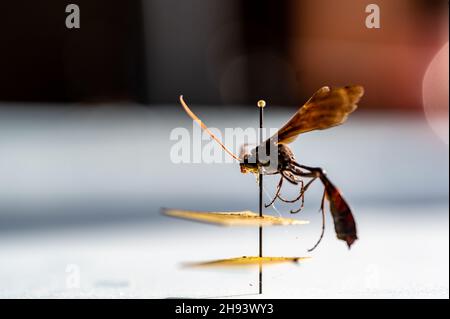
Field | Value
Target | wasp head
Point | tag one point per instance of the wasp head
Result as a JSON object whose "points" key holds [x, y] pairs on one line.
{"points": [[247, 165]]}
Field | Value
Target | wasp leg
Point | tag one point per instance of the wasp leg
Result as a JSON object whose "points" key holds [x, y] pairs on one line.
{"points": [[298, 172], [293, 200], [322, 210], [302, 196], [315, 171], [290, 177], [280, 183], [318, 173]]}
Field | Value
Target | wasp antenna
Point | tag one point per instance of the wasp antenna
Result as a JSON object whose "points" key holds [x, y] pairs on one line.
{"points": [[205, 128]]}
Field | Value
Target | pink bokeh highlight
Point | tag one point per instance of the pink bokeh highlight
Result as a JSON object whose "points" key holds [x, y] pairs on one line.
{"points": [[435, 93]]}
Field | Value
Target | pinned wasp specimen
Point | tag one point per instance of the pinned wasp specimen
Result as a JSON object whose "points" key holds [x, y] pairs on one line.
{"points": [[328, 107]]}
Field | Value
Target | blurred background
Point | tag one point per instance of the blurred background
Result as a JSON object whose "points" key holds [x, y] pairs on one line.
{"points": [[85, 120]]}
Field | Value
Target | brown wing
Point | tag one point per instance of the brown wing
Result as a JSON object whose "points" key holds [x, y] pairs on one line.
{"points": [[326, 108]]}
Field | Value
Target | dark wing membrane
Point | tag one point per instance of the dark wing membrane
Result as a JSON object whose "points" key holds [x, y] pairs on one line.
{"points": [[326, 108]]}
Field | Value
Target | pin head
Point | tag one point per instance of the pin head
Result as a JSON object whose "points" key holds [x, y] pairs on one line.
{"points": [[261, 103]]}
